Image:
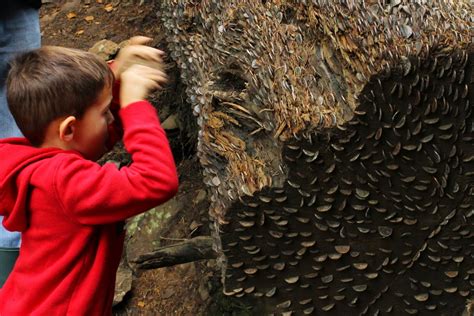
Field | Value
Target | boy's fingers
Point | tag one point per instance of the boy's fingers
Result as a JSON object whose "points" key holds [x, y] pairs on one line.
{"points": [[159, 73], [147, 52], [152, 71], [149, 73], [161, 79], [156, 86], [139, 40], [158, 79]]}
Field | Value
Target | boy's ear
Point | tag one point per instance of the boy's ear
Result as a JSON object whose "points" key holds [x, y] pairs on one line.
{"points": [[66, 128]]}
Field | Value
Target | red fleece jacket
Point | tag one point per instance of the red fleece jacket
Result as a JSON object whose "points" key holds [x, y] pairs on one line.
{"points": [[70, 212]]}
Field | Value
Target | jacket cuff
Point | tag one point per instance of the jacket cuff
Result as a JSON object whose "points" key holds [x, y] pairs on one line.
{"points": [[140, 112]]}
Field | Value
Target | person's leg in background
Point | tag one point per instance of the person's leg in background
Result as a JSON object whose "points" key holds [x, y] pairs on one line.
{"points": [[19, 31]]}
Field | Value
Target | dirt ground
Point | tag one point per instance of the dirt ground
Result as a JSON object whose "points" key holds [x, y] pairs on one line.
{"points": [[80, 25], [188, 289]]}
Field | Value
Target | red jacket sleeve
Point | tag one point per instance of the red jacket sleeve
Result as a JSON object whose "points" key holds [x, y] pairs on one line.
{"points": [[94, 195]]}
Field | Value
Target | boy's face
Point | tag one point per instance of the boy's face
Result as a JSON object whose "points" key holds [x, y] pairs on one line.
{"points": [[91, 132]]}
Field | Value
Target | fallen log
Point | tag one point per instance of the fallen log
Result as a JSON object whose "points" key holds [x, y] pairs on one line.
{"points": [[336, 138], [195, 249]]}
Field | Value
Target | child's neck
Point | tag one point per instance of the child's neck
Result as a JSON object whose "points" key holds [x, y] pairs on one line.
{"points": [[52, 139]]}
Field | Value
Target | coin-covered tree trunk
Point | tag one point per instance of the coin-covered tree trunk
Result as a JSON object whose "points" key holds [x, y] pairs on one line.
{"points": [[336, 138]]}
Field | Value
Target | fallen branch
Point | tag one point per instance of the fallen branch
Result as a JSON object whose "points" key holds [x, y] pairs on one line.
{"points": [[194, 249]]}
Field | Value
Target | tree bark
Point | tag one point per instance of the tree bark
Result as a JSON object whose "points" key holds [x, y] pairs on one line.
{"points": [[336, 141]]}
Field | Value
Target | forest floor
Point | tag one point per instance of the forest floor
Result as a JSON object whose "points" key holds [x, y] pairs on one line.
{"points": [[187, 289]]}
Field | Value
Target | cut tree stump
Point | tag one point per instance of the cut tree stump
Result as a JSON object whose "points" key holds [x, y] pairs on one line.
{"points": [[336, 138]]}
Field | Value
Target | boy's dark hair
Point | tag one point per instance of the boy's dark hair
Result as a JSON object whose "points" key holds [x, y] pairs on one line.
{"points": [[53, 82]]}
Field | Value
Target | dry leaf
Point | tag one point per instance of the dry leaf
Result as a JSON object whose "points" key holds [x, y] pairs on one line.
{"points": [[71, 15], [109, 7], [141, 304], [79, 32], [89, 18], [99, 1]]}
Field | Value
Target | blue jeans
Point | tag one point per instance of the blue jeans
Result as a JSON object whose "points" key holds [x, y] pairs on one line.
{"points": [[19, 31]]}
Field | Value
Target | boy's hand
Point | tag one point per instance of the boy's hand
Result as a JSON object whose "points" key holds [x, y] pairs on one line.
{"points": [[136, 52], [137, 82]]}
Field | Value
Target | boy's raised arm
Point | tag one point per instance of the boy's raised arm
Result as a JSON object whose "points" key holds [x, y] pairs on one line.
{"points": [[92, 194]]}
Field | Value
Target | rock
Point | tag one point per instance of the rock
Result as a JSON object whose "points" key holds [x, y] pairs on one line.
{"points": [[48, 18], [70, 6], [105, 49], [142, 230], [123, 284]]}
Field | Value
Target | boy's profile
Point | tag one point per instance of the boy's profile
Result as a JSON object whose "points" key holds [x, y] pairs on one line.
{"points": [[70, 209]]}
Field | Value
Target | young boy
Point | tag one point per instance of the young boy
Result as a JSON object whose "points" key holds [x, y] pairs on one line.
{"points": [[69, 209]]}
